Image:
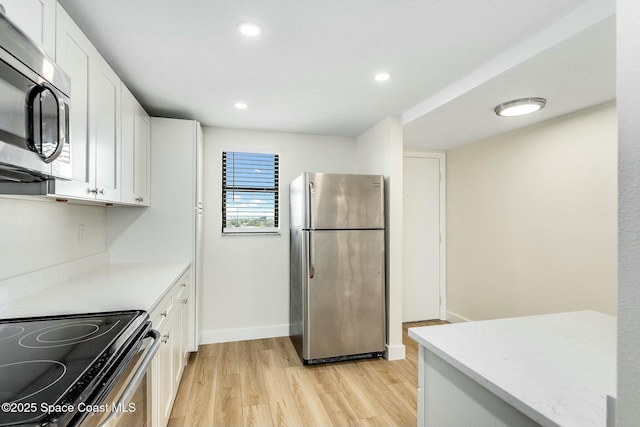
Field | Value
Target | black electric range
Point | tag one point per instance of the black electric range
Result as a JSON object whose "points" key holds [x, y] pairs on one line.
{"points": [[53, 367]]}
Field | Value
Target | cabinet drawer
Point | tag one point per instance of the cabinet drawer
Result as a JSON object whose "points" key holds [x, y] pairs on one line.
{"points": [[161, 312], [167, 305], [181, 289]]}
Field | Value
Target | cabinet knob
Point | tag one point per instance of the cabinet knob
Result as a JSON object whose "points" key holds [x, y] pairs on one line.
{"points": [[139, 199], [101, 191], [164, 313], [186, 300], [165, 338]]}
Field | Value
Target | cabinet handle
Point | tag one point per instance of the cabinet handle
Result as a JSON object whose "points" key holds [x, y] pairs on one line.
{"points": [[96, 191], [165, 338], [139, 199]]}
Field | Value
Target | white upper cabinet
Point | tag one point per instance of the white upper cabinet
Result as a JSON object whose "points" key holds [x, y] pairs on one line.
{"points": [[136, 127], [104, 128], [94, 117], [37, 18], [73, 55]]}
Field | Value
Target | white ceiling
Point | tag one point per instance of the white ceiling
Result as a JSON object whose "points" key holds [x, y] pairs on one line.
{"points": [[311, 71]]}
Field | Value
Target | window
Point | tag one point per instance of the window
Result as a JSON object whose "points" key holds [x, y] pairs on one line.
{"points": [[249, 192]]}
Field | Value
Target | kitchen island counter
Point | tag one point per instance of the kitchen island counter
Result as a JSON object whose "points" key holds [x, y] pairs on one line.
{"points": [[555, 370], [109, 287]]}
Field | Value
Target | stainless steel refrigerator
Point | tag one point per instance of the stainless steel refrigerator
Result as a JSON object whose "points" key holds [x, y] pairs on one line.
{"points": [[337, 277]]}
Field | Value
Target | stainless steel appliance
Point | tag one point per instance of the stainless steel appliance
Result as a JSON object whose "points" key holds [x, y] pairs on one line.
{"points": [[337, 277], [76, 370], [34, 111]]}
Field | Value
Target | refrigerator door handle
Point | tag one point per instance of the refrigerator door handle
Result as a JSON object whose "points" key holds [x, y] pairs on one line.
{"points": [[312, 268], [312, 192]]}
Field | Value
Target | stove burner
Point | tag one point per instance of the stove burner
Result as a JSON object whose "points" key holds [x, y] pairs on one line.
{"points": [[10, 331], [65, 334], [45, 372], [75, 332]]}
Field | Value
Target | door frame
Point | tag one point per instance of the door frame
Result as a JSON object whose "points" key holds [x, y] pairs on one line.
{"points": [[442, 161]]}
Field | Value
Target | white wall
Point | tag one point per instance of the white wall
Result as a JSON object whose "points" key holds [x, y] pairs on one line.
{"points": [[531, 219], [37, 234], [379, 151], [628, 409], [246, 278]]}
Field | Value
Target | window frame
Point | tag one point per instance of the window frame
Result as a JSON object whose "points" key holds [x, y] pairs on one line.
{"points": [[275, 190]]}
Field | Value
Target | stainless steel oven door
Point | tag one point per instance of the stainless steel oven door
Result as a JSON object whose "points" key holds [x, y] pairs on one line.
{"points": [[129, 403]]}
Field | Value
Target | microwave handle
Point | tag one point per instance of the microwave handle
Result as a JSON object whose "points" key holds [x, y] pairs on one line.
{"points": [[140, 372], [62, 130], [34, 95]]}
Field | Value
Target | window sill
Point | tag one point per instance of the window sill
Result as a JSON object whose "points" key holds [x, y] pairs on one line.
{"points": [[250, 231]]}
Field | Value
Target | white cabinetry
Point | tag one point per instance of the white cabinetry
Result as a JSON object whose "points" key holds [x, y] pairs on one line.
{"points": [[167, 368], [104, 126], [37, 18], [136, 133], [170, 229], [73, 53], [94, 117]]}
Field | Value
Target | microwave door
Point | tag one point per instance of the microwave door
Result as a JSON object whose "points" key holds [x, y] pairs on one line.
{"points": [[44, 127]]}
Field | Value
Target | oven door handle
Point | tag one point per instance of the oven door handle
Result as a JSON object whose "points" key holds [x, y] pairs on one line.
{"points": [[140, 372]]}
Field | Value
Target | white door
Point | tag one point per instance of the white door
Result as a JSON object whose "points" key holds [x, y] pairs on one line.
{"points": [[422, 237]]}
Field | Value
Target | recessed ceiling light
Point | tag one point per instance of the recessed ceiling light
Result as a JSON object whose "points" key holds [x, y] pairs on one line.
{"points": [[249, 29], [520, 107], [382, 77], [241, 105]]}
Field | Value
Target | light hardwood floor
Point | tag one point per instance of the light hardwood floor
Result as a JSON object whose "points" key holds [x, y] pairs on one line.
{"points": [[263, 383]]}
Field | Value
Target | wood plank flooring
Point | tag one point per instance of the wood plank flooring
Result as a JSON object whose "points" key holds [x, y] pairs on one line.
{"points": [[262, 383]]}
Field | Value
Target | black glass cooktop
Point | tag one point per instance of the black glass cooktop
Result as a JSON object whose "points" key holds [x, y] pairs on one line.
{"points": [[49, 365]]}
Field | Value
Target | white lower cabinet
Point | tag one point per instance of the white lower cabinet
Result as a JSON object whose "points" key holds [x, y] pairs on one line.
{"points": [[169, 318]]}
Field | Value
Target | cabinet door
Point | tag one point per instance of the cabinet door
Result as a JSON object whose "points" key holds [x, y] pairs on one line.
{"points": [[37, 18], [142, 152], [105, 128], [73, 53], [181, 349], [128, 134], [166, 363], [135, 134]]}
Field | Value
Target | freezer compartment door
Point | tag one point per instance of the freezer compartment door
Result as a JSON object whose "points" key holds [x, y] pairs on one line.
{"points": [[338, 201], [345, 298]]}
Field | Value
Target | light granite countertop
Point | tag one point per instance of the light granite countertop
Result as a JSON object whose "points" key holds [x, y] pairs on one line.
{"points": [[111, 287], [557, 368]]}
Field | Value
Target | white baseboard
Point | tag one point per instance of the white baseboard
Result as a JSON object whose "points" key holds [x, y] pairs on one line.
{"points": [[395, 352], [455, 318], [243, 334]]}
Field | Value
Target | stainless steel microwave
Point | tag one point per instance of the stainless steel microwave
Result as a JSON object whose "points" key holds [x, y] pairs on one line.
{"points": [[34, 111]]}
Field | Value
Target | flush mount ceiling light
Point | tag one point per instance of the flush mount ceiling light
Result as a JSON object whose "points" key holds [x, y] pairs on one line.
{"points": [[520, 107], [241, 105], [250, 29], [382, 77]]}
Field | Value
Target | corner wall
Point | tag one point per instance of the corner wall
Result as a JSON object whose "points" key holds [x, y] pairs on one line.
{"points": [[379, 150], [531, 219]]}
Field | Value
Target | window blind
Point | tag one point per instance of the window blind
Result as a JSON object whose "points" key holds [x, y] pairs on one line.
{"points": [[249, 191]]}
